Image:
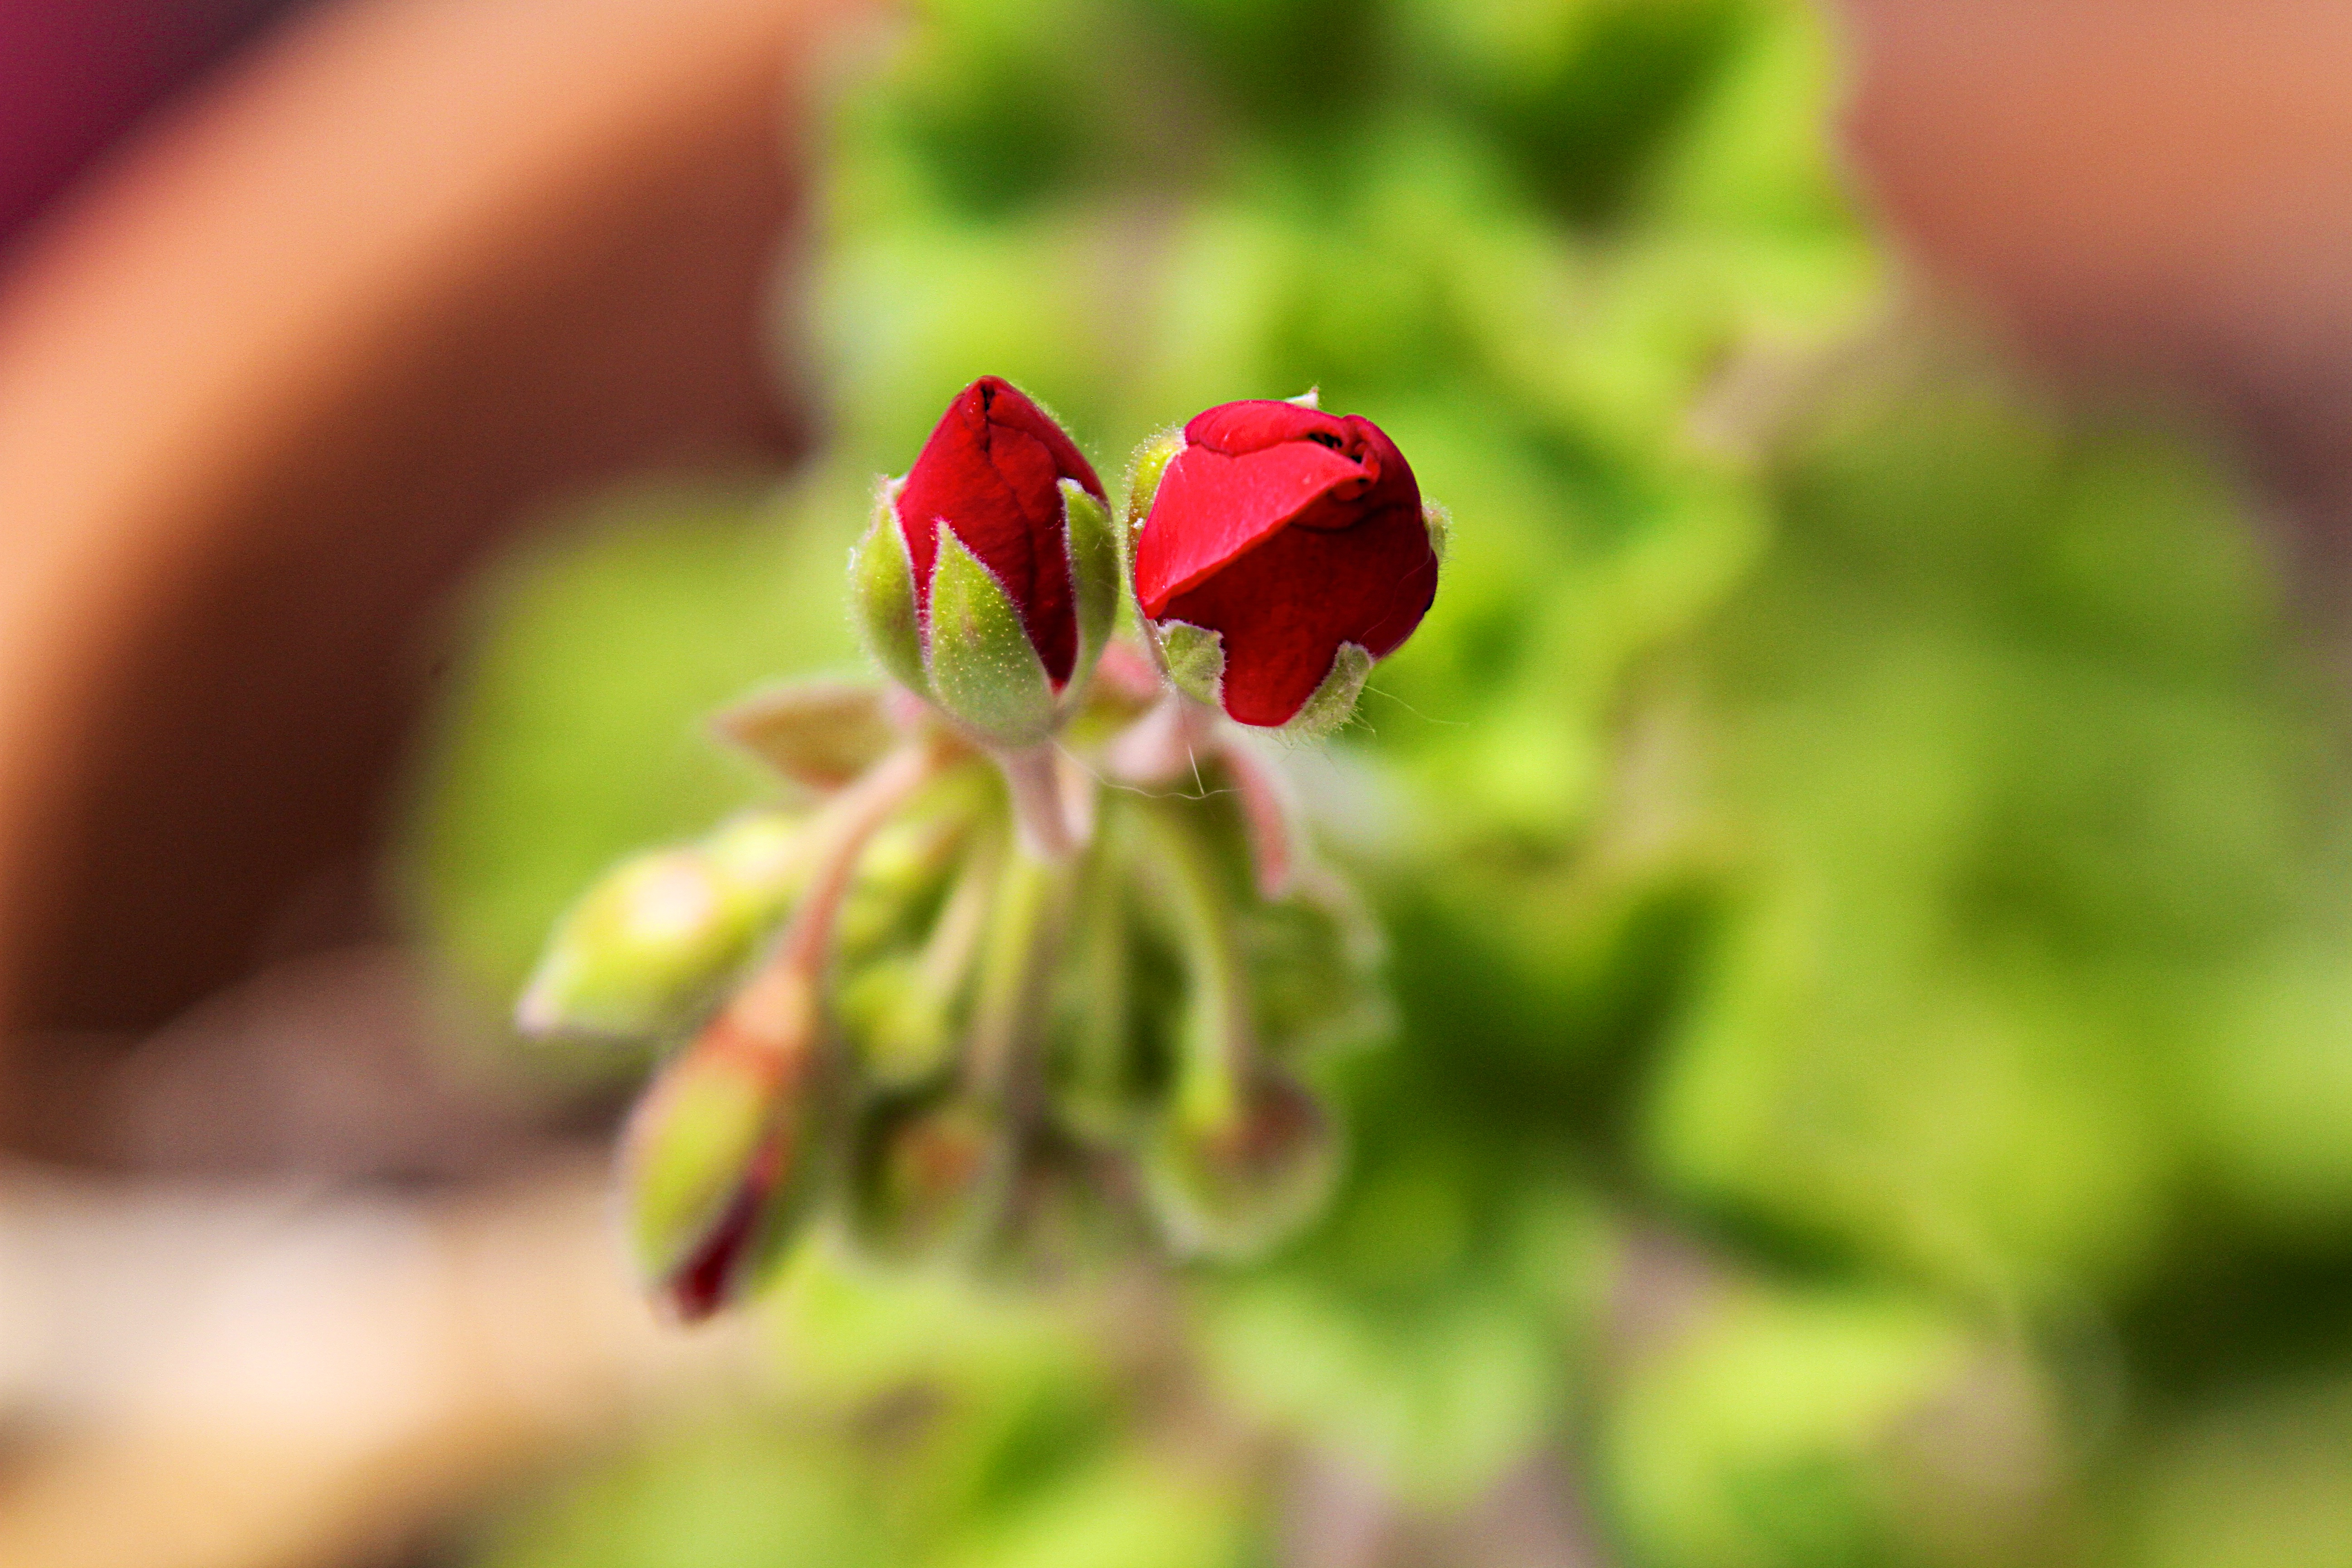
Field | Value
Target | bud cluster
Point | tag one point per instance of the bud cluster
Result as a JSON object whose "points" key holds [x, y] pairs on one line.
{"points": [[1042, 966]]}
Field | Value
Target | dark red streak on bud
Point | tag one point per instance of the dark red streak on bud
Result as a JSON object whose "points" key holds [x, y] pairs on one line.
{"points": [[707, 1280]]}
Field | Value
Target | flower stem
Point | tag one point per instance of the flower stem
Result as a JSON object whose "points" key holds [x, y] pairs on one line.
{"points": [[1166, 744], [1220, 1048], [1022, 927], [837, 837], [955, 935], [1041, 807], [1100, 1066], [771, 1020], [1269, 810]]}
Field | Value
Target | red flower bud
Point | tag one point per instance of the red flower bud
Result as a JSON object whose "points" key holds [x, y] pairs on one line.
{"points": [[992, 472], [1289, 533]]}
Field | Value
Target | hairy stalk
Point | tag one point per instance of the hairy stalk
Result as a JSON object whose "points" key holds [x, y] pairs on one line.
{"points": [[955, 936], [1041, 808], [1023, 929], [1220, 1049], [773, 1017], [1100, 1064]]}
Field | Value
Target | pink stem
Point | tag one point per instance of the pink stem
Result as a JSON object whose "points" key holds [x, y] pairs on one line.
{"points": [[771, 1019], [1269, 810], [1040, 810]]}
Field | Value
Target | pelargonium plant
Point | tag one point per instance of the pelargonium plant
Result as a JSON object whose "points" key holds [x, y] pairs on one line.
{"points": [[1041, 969]]}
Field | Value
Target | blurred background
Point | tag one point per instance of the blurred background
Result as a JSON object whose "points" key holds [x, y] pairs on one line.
{"points": [[1863, 833]]}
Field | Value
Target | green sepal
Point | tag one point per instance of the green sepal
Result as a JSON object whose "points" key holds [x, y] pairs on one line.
{"points": [[985, 672], [882, 595], [1095, 580], [1440, 523], [1195, 658], [1333, 704], [1144, 472]]}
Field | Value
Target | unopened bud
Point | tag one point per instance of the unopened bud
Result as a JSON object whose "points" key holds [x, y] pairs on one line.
{"points": [[928, 1178], [715, 1162], [897, 877], [899, 1025], [988, 580], [1235, 1187], [1313, 960], [1282, 552], [651, 944]]}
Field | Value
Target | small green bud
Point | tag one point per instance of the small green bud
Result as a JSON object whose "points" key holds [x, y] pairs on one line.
{"points": [[763, 853], [1313, 962], [902, 1012], [927, 1178], [900, 1025], [984, 672], [716, 1162], [1235, 1187], [645, 948], [897, 876], [882, 595]]}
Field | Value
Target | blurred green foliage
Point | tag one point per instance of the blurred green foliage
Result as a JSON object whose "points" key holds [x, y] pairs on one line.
{"points": [[1861, 850]]}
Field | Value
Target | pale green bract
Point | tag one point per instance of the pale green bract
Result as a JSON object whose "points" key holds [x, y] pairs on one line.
{"points": [[882, 593], [985, 672], [1331, 704]]}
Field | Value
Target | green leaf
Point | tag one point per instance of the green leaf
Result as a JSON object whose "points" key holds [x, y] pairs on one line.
{"points": [[882, 595], [1195, 658], [984, 670], [1333, 702], [1095, 581], [821, 733]]}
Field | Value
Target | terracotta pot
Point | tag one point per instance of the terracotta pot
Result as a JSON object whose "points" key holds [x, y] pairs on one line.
{"points": [[412, 269], [2153, 187]]}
